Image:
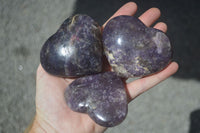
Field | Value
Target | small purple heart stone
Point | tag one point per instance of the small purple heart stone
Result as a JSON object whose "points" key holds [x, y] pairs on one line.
{"points": [[101, 96], [75, 49], [133, 49]]}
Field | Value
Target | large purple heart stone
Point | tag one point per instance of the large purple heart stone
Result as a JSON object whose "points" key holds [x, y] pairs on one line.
{"points": [[133, 49], [101, 96], [75, 49]]}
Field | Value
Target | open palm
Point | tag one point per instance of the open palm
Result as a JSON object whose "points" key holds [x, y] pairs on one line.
{"points": [[53, 114]]}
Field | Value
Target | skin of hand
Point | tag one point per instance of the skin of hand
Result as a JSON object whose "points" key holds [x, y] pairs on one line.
{"points": [[52, 113]]}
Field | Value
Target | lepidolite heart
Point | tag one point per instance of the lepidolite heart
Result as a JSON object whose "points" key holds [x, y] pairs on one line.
{"points": [[133, 49], [101, 96], [75, 49]]}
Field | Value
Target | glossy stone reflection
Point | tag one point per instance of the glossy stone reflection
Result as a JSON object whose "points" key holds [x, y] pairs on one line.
{"points": [[75, 49], [101, 96], [133, 49]]}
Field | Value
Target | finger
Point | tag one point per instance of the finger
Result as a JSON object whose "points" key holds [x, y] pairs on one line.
{"points": [[129, 8], [161, 26], [150, 16], [139, 86]]}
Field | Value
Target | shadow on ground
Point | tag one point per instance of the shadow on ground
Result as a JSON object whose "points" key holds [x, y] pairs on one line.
{"points": [[181, 16], [195, 122]]}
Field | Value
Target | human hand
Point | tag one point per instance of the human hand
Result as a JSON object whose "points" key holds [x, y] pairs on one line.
{"points": [[52, 112]]}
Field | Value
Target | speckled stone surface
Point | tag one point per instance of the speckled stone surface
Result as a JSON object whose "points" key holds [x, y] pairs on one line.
{"points": [[133, 49], [101, 96], [75, 49]]}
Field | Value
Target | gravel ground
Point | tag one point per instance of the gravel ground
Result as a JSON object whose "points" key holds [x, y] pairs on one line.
{"points": [[172, 106], [25, 26]]}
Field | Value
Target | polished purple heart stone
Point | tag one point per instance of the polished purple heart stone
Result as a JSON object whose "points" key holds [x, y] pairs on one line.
{"points": [[101, 96], [75, 49], [133, 49]]}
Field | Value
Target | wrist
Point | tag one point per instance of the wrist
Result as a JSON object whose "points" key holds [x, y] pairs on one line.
{"points": [[36, 127], [39, 126]]}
